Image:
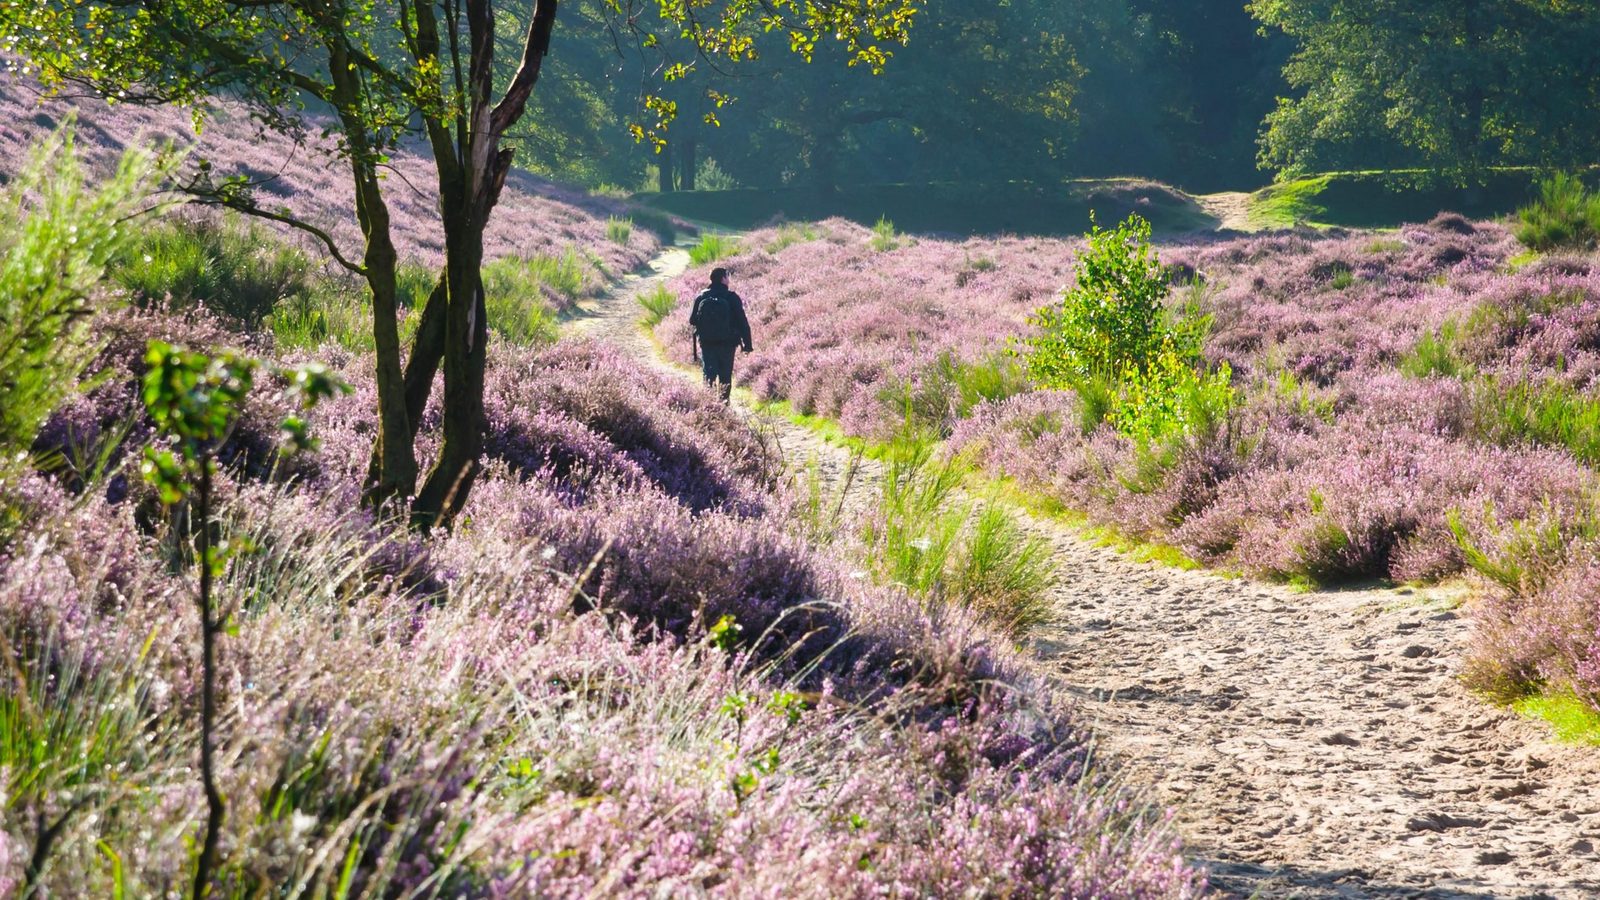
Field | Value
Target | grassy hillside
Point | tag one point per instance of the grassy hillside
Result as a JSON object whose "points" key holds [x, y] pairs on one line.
{"points": [[963, 209], [1348, 200], [1372, 200], [633, 667]]}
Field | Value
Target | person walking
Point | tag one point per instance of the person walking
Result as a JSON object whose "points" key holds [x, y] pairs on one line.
{"points": [[719, 327]]}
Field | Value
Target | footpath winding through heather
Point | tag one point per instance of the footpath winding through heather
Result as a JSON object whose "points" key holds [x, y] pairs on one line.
{"points": [[1314, 744]]}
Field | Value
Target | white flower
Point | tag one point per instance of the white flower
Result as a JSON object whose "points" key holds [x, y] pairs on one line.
{"points": [[300, 823]]}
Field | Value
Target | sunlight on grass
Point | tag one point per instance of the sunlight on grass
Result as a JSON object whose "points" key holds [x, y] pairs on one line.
{"points": [[712, 247], [1288, 204], [657, 303], [1572, 719]]}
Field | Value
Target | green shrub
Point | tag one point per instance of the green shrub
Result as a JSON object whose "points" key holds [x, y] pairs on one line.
{"points": [[232, 265], [709, 176], [59, 236], [1566, 214], [1171, 397], [658, 303], [1112, 340], [712, 247], [884, 238], [1112, 319], [619, 231]]}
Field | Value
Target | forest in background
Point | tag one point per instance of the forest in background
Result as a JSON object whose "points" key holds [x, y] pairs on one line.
{"points": [[1212, 95]]}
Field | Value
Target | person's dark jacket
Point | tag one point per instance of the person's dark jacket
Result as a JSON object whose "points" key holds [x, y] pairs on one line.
{"points": [[741, 325]]}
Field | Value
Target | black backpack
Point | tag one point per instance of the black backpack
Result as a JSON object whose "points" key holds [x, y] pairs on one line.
{"points": [[713, 320]]}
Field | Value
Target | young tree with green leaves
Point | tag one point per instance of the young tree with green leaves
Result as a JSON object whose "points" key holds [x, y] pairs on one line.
{"points": [[195, 401], [384, 71]]}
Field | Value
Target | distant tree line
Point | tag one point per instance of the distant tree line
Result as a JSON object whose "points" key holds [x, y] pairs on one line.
{"points": [[1208, 94]]}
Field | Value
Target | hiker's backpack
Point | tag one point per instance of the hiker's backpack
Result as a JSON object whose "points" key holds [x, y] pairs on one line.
{"points": [[713, 320]]}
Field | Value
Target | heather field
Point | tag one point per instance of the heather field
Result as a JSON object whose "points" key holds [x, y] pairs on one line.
{"points": [[1409, 405], [535, 704], [1196, 495], [637, 665]]}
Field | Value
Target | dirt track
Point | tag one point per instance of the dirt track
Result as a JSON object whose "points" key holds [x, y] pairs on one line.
{"points": [[1314, 744]]}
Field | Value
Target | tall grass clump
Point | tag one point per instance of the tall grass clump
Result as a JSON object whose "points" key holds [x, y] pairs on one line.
{"points": [[712, 247], [1438, 352], [923, 537], [619, 229], [789, 234], [657, 303], [1566, 214], [232, 266], [1550, 413], [1112, 340], [59, 235], [884, 237], [339, 310], [934, 398]]}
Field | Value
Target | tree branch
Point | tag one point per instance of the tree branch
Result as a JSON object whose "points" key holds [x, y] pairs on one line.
{"points": [[534, 49], [213, 198]]}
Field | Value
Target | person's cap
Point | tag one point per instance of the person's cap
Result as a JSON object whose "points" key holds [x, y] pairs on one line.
{"points": [[719, 275]]}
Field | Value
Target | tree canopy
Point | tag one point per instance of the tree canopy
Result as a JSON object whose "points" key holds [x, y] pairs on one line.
{"points": [[1452, 86]]}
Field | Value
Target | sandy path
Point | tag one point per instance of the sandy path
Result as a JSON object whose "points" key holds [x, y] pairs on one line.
{"points": [[1314, 744], [1231, 209]]}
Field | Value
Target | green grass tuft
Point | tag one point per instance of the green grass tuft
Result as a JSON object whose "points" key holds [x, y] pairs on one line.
{"points": [[712, 247], [231, 265], [1542, 412], [619, 230], [658, 303], [1572, 719], [1437, 353], [924, 538], [789, 234]]}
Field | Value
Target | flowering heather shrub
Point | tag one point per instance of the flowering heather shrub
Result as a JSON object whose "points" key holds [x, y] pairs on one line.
{"points": [[534, 217], [531, 704]]}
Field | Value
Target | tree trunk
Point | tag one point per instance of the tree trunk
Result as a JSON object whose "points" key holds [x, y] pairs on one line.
{"points": [[395, 475], [472, 174], [664, 180], [690, 164], [466, 338], [422, 366]]}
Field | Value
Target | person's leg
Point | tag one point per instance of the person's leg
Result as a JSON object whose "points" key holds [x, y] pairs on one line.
{"points": [[719, 369], [708, 364]]}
